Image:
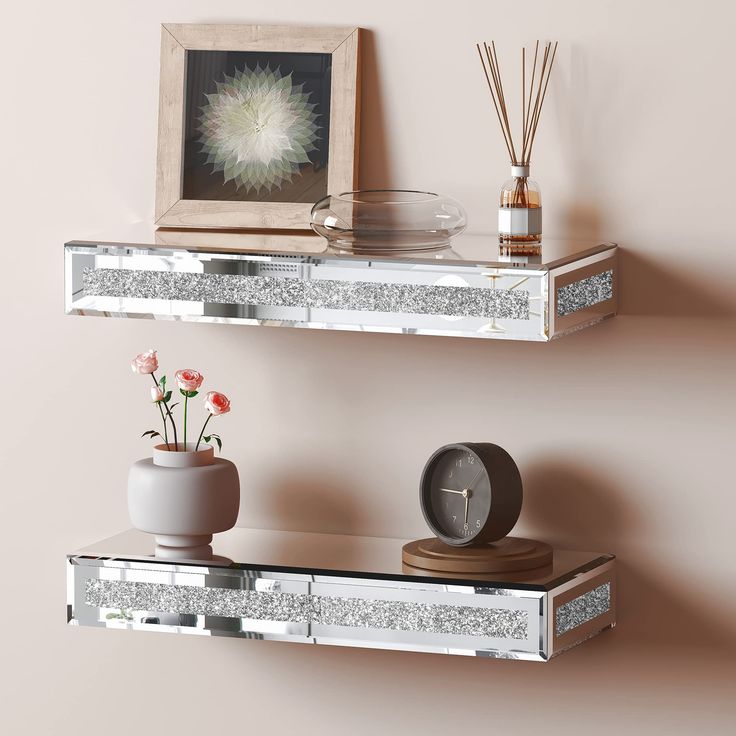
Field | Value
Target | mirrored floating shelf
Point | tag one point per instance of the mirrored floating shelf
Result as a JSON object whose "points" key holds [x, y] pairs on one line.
{"points": [[339, 590], [296, 280]]}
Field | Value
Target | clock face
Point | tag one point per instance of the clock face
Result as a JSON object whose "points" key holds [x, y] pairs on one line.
{"points": [[471, 493], [456, 495]]}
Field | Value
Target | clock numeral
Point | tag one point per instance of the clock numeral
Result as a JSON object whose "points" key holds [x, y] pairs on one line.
{"points": [[454, 518], [471, 459], [465, 526], [477, 523]]}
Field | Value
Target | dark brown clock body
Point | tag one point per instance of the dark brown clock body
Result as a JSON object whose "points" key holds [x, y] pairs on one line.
{"points": [[471, 496], [489, 475]]}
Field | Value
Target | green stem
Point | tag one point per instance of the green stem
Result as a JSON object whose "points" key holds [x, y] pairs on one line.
{"points": [[202, 432], [163, 419], [168, 412], [186, 401]]}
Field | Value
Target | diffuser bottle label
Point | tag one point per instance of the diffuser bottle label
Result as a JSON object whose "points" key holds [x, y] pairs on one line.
{"points": [[519, 220]]}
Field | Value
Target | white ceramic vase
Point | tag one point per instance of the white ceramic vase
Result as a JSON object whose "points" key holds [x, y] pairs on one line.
{"points": [[183, 498]]}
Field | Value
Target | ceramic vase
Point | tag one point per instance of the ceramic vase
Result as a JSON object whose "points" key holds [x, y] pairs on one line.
{"points": [[183, 498]]}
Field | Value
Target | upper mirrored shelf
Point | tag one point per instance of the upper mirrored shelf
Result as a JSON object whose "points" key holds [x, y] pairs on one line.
{"points": [[465, 249], [332, 554], [297, 280]]}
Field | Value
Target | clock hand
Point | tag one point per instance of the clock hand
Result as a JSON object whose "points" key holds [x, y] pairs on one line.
{"points": [[449, 490], [477, 475], [467, 499]]}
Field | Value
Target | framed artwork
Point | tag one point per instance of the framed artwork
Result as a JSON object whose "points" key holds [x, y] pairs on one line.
{"points": [[256, 123]]}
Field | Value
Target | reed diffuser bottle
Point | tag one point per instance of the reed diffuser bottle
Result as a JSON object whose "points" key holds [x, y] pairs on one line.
{"points": [[520, 202], [520, 214]]}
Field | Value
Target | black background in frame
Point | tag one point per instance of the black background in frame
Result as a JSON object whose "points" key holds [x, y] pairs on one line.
{"points": [[203, 70]]}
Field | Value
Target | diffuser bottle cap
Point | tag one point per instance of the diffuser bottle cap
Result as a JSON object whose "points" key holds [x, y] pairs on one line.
{"points": [[519, 170]]}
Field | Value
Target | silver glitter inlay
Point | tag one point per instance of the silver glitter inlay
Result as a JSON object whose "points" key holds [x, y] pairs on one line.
{"points": [[363, 296], [583, 608], [309, 609], [584, 293]]}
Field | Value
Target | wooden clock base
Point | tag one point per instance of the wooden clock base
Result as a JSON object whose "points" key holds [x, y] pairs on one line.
{"points": [[510, 554]]}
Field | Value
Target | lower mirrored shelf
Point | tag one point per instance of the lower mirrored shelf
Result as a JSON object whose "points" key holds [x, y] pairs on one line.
{"points": [[339, 590]]}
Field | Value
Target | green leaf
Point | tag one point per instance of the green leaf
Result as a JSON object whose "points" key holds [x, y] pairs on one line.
{"points": [[173, 405], [214, 437], [163, 383], [188, 394], [167, 396]]}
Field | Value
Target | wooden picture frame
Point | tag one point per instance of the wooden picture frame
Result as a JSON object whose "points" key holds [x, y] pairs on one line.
{"points": [[177, 41]]}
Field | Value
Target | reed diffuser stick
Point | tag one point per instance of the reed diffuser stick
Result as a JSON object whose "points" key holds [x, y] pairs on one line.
{"points": [[529, 103], [490, 87], [544, 94], [532, 98], [523, 91]]}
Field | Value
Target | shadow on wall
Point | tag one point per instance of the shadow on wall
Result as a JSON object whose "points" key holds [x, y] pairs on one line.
{"points": [[650, 287], [577, 508], [300, 500], [375, 167]]}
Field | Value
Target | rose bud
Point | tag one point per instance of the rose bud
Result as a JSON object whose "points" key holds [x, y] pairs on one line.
{"points": [[156, 394]]}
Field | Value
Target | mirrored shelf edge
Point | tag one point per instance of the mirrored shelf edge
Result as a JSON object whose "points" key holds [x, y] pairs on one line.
{"points": [[339, 590], [299, 287]]}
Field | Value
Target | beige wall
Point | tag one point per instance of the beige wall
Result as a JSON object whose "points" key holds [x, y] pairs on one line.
{"points": [[624, 433]]}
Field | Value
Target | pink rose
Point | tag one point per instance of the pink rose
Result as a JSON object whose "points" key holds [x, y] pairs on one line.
{"points": [[145, 363], [156, 394], [189, 380], [216, 403]]}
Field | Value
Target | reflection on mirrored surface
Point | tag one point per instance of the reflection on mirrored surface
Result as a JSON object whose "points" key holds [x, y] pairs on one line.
{"points": [[203, 554], [336, 554], [469, 248], [537, 576], [268, 241]]}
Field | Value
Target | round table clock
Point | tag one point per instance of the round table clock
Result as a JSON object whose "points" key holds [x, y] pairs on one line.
{"points": [[470, 495]]}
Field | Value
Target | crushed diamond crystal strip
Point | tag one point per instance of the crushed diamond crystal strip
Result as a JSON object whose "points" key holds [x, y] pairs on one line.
{"points": [[582, 609], [584, 293], [365, 296], [435, 618], [309, 609]]}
